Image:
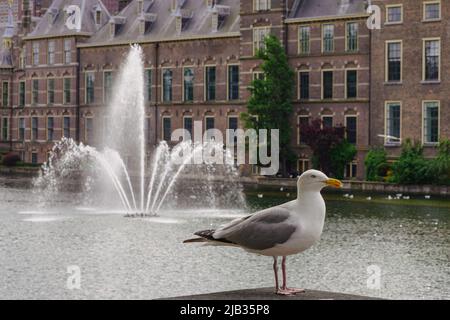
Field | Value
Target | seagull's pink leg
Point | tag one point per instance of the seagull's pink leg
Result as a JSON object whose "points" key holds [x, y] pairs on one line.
{"points": [[279, 290], [284, 287]]}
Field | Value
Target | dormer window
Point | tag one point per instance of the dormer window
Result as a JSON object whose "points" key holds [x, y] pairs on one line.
{"points": [[116, 24], [219, 13], [182, 20], [261, 5], [146, 21], [98, 17]]}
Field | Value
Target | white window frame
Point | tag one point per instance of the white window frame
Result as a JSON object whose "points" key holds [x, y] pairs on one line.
{"points": [[347, 37], [257, 35], [323, 37], [262, 5], [424, 105], [386, 133], [391, 6], [386, 61], [424, 41], [300, 40], [424, 6]]}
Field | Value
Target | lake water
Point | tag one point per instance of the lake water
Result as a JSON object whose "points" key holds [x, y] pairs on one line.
{"points": [[408, 241]]}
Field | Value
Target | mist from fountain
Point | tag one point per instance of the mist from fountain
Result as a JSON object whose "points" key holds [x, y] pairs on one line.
{"points": [[121, 160]]}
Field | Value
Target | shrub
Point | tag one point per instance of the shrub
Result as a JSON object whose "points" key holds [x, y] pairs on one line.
{"points": [[341, 154], [376, 164], [439, 168], [10, 159], [411, 167]]}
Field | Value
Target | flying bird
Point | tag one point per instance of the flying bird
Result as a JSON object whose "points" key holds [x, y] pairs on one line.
{"points": [[279, 231]]}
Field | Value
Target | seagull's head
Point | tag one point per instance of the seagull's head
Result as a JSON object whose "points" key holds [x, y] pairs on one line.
{"points": [[314, 180]]}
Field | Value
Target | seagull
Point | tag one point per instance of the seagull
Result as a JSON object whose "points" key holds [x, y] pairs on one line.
{"points": [[260, 195], [279, 231], [369, 198], [427, 197], [350, 196], [281, 189]]}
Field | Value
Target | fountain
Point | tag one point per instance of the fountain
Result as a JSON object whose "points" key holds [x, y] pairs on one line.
{"points": [[142, 180]]}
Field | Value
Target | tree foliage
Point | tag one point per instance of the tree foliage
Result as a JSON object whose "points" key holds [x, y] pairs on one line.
{"points": [[331, 152], [270, 104], [376, 164]]}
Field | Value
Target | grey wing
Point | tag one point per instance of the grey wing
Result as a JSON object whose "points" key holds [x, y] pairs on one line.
{"points": [[260, 231]]}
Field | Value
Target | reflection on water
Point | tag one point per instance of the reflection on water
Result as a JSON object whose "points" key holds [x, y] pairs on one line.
{"points": [[144, 258]]}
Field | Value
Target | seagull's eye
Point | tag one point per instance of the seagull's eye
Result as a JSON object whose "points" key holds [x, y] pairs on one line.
{"points": [[313, 176]]}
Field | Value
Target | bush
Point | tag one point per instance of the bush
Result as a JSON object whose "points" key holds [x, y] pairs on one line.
{"points": [[439, 168], [376, 165], [10, 159], [411, 167], [341, 154]]}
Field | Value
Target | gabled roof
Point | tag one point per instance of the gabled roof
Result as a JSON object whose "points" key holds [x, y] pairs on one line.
{"points": [[308, 9], [196, 15], [53, 23]]}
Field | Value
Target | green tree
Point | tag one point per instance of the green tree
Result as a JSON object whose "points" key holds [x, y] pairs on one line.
{"points": [[270, 104], [411, 167], [331, 152], [376, 164], [439, 168]]}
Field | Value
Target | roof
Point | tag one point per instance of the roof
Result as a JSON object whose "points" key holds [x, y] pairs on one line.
{"points": [[196, 16], [308, 9], [53, 23]]}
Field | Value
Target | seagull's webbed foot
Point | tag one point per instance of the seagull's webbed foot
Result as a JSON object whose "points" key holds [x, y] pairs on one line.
{"points": [[293, 290], [284, 292]]}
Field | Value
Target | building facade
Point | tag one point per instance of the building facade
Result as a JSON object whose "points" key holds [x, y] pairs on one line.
{"points": [[200, 59]]}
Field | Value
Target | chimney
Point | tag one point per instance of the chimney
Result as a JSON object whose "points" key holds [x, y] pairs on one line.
{"points": [[26, 17], [215, 19]]}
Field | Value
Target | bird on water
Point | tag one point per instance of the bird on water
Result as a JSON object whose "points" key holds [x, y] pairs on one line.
{"points": [[280, 231]]}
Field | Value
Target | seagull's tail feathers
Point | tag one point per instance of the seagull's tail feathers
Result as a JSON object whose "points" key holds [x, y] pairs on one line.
{"points": [[206, 237]]}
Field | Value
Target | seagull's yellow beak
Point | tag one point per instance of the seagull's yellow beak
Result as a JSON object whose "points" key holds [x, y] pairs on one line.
{"points": [[333, 183]]}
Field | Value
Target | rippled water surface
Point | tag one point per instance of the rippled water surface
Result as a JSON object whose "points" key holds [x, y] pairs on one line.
{"points": [[144, 258]]}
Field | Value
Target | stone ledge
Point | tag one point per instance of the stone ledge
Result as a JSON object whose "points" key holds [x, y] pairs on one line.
{"points": [[267, 294]]}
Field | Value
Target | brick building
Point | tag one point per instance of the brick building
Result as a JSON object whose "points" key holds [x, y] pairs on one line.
{"points": [[199, 61]]}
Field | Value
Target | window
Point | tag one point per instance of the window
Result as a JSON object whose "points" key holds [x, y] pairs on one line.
{"points": [[5, 94], [303, 121], [258, 75], [5, 129], [304, 85], [260, 5], [233, 82], [107, 86], [89, 130], [232, 125], [351, 170], [90, 78], [393, 123], [351, 78], [431, 10], [34, 158], [148, 126], [431, 122], [35, 53], [209, 124], [66, 127], [351, 129], [167, 128], [98, 16], [51, 52], [34, 128], [327, 121], [167, 85], [50, 128], [352, 36], [432, 57], [148, 84], [302, 165], [327, 85], [67, 86], [327, 38], [35, 91], [21, 129], [394, 61], [304, 35], [21, 93], [23, 58], [394, 14], [187, 125], [188, 85], [259, 34], [67, 51], [51, 91], [210, 84]]}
